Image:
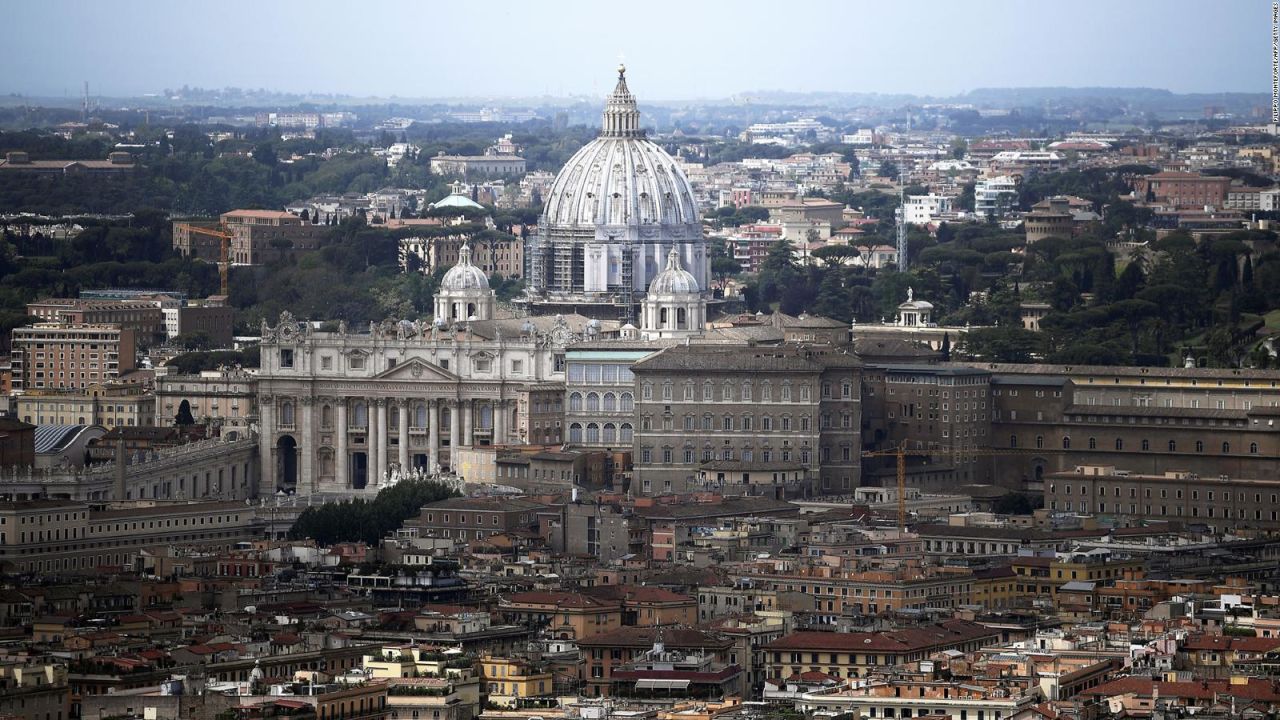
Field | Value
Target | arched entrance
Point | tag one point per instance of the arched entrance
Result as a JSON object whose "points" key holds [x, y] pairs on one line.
{"points": [[287, 464]]}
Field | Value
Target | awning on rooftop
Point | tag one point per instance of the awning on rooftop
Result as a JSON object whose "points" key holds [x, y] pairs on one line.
{"points": [[649, 684]]}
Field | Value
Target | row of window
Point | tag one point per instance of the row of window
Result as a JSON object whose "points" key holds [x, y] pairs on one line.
{"points": [[608, 402], [1164, 493], [597, 433], [1119, 444], [1210, 511], [726, 392]]}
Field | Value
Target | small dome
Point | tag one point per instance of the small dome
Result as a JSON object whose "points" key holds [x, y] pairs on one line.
{"points": [[464, 275], [674, 279]]}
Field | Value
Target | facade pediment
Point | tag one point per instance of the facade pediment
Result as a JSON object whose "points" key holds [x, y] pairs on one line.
{"points": [[416, 369]]}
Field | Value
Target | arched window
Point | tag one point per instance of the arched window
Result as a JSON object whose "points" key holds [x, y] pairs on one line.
{"points": [[593, 402], [1039, 442], [420, 415], [627, 402], [1066, 443], [1119, 444], [1013, 441], [1173, 446], [593, 433], [1226, 448], [575, 432], [610, 433], [1199, 446], [326, 416], [360, 415], [682, 321], [662, 317], [1253, 448], [624, 433], [1146, 444], [486, 417], [706, 422], [286, 413], [610, 402], [575, 402], [1093, 443]]}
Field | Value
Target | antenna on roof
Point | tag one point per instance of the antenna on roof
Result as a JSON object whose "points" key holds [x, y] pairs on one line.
{"points": [[902, 220]]}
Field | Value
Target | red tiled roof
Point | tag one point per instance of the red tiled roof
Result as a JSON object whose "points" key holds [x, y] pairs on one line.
{"points": [[1240, 644], [904, 640], [672, 637], [1254, 689], [560, 599]]}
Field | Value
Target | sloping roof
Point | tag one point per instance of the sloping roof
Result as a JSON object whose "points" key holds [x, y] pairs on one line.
{"points": [[672, 637], [904, 640], [458, 201], [53, 438]]}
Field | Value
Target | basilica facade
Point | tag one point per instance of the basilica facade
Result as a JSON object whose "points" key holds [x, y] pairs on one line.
{"points": [[346, 412]]}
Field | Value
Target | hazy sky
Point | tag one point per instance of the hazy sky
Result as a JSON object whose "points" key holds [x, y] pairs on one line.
{"points": [[673, 49]]}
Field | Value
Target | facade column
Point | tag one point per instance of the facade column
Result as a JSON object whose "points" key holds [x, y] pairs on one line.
{"points": [[404, 436], [307, 448], [468, 426], [455, 427], [370, 440], [433, 433], [499, 422], [380, 430], [340, 461], [266, 446]]}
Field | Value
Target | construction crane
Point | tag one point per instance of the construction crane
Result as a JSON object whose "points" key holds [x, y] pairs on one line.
{"points": [[901, 453], [224, 263]]}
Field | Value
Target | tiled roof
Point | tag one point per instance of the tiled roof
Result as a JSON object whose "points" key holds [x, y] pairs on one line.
{"points": [[904, 640], [672, 637], [1253, 689]]}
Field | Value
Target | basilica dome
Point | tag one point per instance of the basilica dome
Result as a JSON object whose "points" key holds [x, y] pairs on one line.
{"points": [[614, 212], [464, 275], [620, 178]]}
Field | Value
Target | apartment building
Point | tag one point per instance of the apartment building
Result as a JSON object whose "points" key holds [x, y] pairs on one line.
{"points": [[855, 654], [59, 355], [110, 405], [144, 317]]}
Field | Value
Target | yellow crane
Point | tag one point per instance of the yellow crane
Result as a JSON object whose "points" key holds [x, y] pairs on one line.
{"points": [[224, 263], [901, 453]]}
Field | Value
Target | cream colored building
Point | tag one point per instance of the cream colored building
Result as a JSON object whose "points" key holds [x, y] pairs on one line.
{"points": [[226, 397], [106, 404]]}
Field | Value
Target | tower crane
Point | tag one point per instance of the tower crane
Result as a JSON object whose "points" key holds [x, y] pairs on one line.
{"points": [[224, 263], [901, 453]]}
